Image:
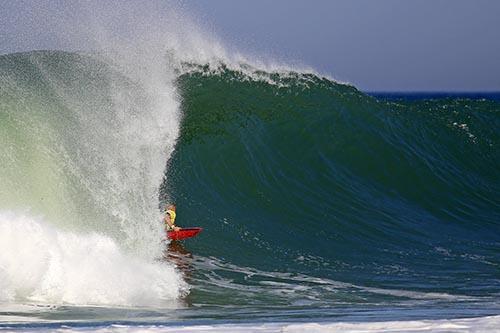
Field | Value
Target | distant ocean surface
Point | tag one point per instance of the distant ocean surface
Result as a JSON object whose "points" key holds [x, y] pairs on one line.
{"points": [[495, 96], [323, 207]]}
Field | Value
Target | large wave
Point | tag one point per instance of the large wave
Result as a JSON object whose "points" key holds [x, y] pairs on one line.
{"points": [[312, 194], [302, 174]]}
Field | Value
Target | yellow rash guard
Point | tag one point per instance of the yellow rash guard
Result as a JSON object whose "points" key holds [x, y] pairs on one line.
{"points": [[172, 216]]}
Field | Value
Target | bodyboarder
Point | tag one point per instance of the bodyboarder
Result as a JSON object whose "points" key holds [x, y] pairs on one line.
{"points": [[170, 219]]}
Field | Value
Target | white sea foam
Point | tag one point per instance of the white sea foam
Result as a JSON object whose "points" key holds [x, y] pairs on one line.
{"points": [[479, 324], [43, 265], [89, 159]]}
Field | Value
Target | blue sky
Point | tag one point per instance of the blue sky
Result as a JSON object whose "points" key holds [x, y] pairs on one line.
{"points": [[389, 45], [378, 45]]}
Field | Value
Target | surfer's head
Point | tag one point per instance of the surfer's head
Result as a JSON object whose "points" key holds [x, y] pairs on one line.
{"points": [[171, 207]]}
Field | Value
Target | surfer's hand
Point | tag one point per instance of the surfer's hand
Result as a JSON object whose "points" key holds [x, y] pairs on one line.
{"points": [[176, 228]]}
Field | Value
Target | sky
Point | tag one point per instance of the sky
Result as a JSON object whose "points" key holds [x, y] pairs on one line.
{"points": [[377, 45]]}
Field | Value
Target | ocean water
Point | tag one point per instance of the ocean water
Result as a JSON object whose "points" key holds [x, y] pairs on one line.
{"points": [[323, 208]]}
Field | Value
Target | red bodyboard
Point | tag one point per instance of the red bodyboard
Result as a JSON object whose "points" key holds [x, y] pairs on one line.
{"points": [[183, 233]]}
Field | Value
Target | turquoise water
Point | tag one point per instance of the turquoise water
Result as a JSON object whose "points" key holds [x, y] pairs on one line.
{"points": [[318, 202]]}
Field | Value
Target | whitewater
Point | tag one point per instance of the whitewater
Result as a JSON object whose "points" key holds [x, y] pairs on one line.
{"points": [[323, 208]]}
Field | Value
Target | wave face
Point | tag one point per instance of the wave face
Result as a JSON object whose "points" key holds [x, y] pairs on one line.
{"points": [[294, 173], [83, 149]]}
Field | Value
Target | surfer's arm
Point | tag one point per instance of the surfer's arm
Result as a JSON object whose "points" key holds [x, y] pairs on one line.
{"points": [[169, 225], [168, 222]]}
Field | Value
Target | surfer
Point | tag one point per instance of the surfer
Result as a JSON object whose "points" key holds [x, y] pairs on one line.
{"points": [[174, 232], [170, 219]]}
